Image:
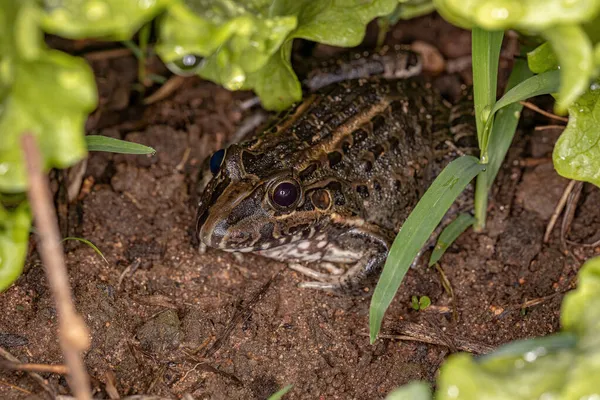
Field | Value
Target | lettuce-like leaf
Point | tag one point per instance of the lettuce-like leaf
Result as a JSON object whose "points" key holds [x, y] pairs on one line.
{"points": [[116, 19], [44, 92], [14, 238], [247, 44], [577, 152], [574, 52], [525, 15]]}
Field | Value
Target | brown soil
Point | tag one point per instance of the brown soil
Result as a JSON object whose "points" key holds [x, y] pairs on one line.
{"points": [[166, 320]]}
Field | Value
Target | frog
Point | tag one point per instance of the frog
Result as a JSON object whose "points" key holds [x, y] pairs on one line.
{"points": [[327, 184]]}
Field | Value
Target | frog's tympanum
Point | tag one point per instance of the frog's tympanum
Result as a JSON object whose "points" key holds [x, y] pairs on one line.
{"points": [[327, 186]]}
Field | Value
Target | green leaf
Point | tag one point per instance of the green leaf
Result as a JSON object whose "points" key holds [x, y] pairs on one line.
{"points": [[111, 145], [449, 235], [414, 303], [520, 348], [409, 9], [580, 313], [542, 59], [247, 45], [276, 83], [279, 394], [116, 19], [14, 239], [526, 15], [545, 83], [577, 152], [574, 51], [505, 123], [90, 244], [497, 142], [234, 37], [340, 23], [65, 90], [416, 230], [486, 53], [411, 391], [424, 302]]}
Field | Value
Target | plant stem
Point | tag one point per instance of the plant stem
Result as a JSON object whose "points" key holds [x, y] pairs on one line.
{"points": [[481, 201]]}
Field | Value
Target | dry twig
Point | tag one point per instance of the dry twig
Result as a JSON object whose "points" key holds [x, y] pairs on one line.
{"points": [[41, 381], [17, 366], [535, 108], [559, 207], [73, 333]]}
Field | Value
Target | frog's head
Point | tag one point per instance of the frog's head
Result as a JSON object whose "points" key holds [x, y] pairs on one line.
{"points": [[256, 202]]}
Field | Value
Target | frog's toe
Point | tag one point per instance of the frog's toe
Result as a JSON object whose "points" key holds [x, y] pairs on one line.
{"points": [[311, 273], [328, 286]]}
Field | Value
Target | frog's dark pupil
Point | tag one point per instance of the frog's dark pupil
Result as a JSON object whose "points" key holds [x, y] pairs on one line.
{"points": [[285, 194], [216, 160]]}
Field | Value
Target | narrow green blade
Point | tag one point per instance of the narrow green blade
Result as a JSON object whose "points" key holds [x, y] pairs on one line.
{"points": [[417, 228], [485, 53], [546, 83], [449, 235], [279, 394], [111, 145]]}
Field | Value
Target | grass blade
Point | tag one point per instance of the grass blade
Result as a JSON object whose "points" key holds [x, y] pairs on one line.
{"points": [[416, 230], [85, 241], [546, 83], [449, 235], [111, 145], [279, 394], [485, 55], [500, 138]]}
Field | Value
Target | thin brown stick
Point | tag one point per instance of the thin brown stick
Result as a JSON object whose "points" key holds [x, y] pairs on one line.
{"points": [[569, 214], [166, 90], [418, 333], [73, 333], [558, 210], [548, 127], [448, 288], [535, 108], [20, 389], [36, 377], [15, 366]]}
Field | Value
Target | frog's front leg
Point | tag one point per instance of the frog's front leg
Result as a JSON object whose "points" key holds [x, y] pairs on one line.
{"points": [[363, 249]]}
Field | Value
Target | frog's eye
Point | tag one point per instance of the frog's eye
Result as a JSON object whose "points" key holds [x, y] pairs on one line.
{"points": [[216, 160], [285, 194]]}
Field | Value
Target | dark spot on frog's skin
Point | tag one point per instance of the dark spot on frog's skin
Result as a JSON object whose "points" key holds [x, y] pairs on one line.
{"points": [[346, 147], [363, 191], [397, 184], [378, 122], [336, 191], [377, 186], [334, 158], [393, 141], [308, 171], [321, 199], [377, 150], [359, 135]]}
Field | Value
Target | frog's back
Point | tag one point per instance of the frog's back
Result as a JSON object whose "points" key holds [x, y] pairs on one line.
{"points": [[372, 143]]}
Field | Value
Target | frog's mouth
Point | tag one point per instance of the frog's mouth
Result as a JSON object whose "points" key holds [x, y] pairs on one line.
{"points": [[219, 216]]}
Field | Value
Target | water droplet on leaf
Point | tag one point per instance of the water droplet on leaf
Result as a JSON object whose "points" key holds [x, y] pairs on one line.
{"points": [[187, 65]]}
